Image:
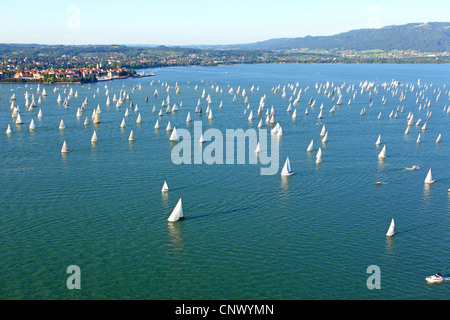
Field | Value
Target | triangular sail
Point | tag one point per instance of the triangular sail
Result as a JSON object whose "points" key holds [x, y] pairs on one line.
{"points": [[391, 230], [287, 168], [429, 178], [382, 153], [165, 187], [177, 213]]}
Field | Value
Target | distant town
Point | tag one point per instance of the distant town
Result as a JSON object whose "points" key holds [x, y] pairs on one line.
{"points": [[83, 64]]}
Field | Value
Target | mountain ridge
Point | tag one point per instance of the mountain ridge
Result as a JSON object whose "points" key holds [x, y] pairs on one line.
{"points": [[423, 37]]}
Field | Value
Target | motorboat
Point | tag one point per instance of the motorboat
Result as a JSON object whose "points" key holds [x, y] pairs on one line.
{"points": [[435, 278]]}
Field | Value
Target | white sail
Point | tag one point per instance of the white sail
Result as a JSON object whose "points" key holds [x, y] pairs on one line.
{"points": [[319, 156], [418, 138], [86, 121], [177, 213], [64, 147], [391, 230], [287, 171], [294, 114], [174, 136], [201, 140], [165, 187], [32, 126], [156, 124], [8, 129], [123, 124], [325, 137], [378, 140], [94, 137], [96, 118], [61, 124], [131, 136], [322, 133], [258, 148], [188, 118], [260, 125], [429, 178], [169, 127], [438, 138], [139, 120], [382, 153], [19, 119], [311, 146]]}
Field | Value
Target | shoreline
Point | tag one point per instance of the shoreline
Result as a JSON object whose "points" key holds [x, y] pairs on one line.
{"points": [[79, 82]]}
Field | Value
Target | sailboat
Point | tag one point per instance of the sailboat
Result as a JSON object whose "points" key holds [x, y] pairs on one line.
{"points": [[287, 171], [61, 124], [138, 120], [424, 127], [322, 133], [429, 179], [156, 124], [319, 156], [391, 230], [131, 136], [96, 118], [438, 138], [174, 136], [165, 187], [18, 119], [325, 138], [378, 140], [188, 118], [8, 129], [201, 140], [94, 137], [169, 127], [382, 153], [294, 114], [64, 148], [258, 148], [311, 146], [418, 139], [32, 126], [177, 213]]}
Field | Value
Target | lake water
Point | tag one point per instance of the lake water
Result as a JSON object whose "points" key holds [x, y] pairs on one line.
{"points": [[311, 235]]}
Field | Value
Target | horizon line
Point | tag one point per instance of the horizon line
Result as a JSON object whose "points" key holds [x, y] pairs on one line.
{"points": [[207, 45]]}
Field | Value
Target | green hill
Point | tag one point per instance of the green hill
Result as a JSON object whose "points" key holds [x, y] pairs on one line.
{"points": [[423, 37]]}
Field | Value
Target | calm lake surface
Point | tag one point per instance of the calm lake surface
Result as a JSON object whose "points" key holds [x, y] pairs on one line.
{"points": [[311, 235]]}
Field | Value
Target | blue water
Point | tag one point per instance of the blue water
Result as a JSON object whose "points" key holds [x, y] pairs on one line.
{"points": [[246, 235]]}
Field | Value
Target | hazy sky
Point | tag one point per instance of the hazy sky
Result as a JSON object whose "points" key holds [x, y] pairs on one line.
{"points": [[174, 22]]}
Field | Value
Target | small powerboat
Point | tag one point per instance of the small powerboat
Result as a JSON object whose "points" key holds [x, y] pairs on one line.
{"points": [[413, 168], [435, 278]]}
